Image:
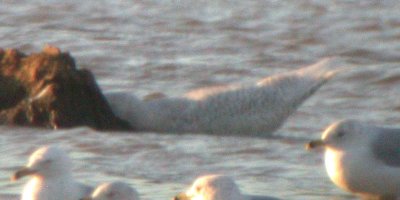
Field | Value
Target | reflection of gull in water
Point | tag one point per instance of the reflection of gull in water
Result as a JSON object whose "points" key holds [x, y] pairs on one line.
{"points": [[362, 158], [257, 109], [50, 168], [114, 191], [216, 187]]}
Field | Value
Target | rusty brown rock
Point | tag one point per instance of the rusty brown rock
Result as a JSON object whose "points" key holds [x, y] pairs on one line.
{"points": [[46, 89]]}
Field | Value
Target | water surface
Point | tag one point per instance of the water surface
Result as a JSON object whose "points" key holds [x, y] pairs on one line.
{"points": [[174, 46]]}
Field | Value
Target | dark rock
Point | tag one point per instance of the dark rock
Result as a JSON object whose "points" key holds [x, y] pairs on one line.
{"points": [[45, 89]]}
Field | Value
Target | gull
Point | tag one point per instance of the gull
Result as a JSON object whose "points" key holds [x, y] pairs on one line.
{"points": [[113, 191], [363, 159], [216, 187], [50, 168], [257, 109]]}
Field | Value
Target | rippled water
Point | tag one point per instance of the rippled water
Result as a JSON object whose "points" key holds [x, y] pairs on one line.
{"points": [[174, 46]]}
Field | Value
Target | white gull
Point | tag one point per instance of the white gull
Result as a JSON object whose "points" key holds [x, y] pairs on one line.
{"points": [[216, 187], [257, 109], [113, 191], [362, 158], [50, 168]]}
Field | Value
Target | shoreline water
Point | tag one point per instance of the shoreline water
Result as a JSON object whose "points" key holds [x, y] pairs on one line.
{"points": [[143, 47]]}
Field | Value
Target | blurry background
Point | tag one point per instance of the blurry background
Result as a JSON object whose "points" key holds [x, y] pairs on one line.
{"points": [[174, 46]]}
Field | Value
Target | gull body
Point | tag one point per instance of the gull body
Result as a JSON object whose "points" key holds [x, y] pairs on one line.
{"points": [[258, 109], [51, 176], [363, 159], [216, 187]]}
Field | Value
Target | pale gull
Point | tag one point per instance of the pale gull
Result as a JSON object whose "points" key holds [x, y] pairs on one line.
{"points": [[50, 168], [113, 191], [258, 109], [216, 187], [362, 158]]}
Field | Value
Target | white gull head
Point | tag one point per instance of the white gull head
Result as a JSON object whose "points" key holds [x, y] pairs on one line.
{"points": [[50, 169], [216, 187], [46, 162], [212, 187], [114, 191], [362, 158]]}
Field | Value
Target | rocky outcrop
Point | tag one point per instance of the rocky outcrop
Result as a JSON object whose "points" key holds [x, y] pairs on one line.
{"points": [[46, 89]]}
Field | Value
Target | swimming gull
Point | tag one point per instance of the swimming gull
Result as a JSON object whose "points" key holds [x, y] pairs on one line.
{"points": [[216, 187], [258, 109], [113, 191], [362, 158], [50, 168]]}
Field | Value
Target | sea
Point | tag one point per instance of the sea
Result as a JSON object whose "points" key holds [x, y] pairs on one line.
{"points": [[174, 46]]}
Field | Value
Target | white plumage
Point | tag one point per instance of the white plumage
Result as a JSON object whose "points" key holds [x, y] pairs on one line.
{"points": [[216, 187], [362, 158], [257, 109], [114, 191], [50, 168]]}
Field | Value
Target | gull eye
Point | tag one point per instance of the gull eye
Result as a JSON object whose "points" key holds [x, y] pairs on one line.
{"points": [[340, 134], [111, 195], [46, 162]]}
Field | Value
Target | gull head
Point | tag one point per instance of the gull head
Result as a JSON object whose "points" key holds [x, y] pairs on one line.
{"points": [[114, 191], [341, 135], [47, 161], [212, 187], [361, 158]]}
